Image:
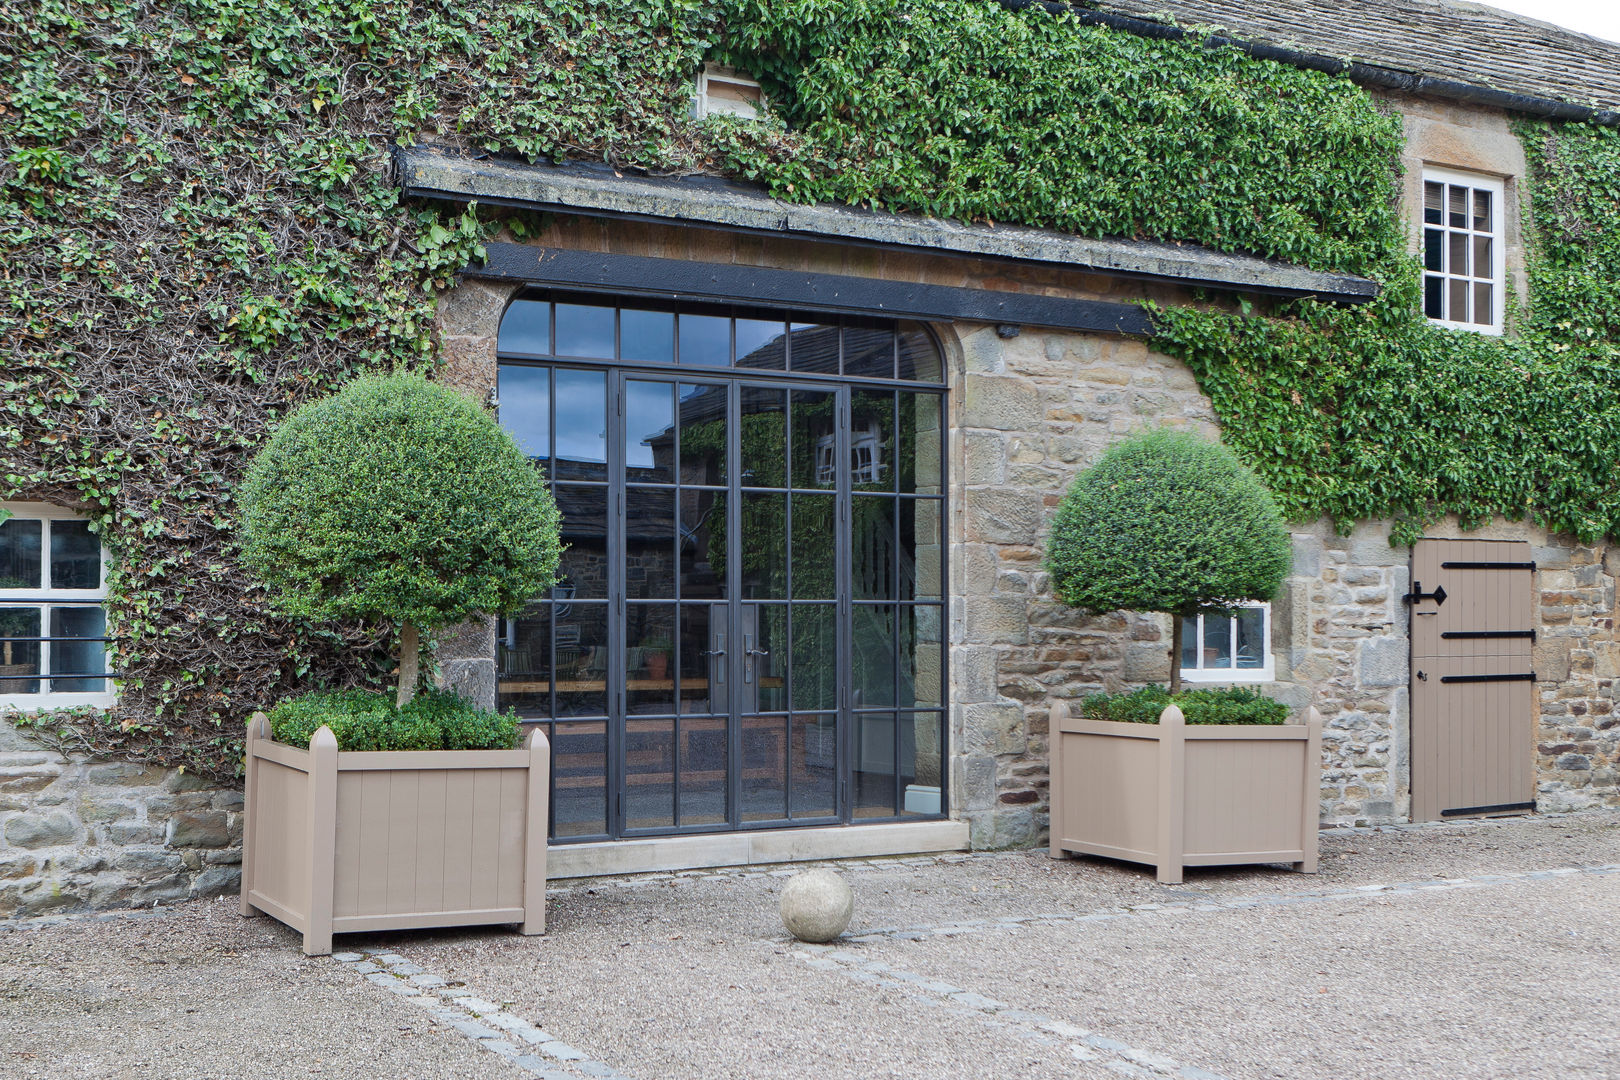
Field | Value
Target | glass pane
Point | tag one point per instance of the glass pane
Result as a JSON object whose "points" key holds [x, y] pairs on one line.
{"points": [[1457, 308], [1251, 638], [919, 356], [649, 658], [764, 768], [765, 657], [815, 656], [761, 344], [1484, 264], [1433, 195], [919, 461], [921, 736], [1217, 647], [649, 774], [20, 540], [1433, 297], [922, 550], [584, 331], [581, 426], [582, 572], [19, 660], [1484, 311], [1433, 249], [703, 648], [523, 653], [1458, 197], [1458, 263], [871, 548], [649, 432], [703, 434], [74, 657], [703, 545], [526, 329], [875, 789], [705, 340], [581, 632], [764, 437], [1482, 211], [815, 558], [815, 439], [873, 646], [871, 440], [703, 771], [524, 394], [922, 657], [579, 779], [1189, 643], [813, 347], [764, 545], [814, 755], [647, 337], [649, 543], [75, 556], [869, 352]]}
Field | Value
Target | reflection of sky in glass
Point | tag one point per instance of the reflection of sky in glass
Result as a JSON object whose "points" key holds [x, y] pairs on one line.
{"points": [[525, 397], [752, 336], [581, 416], [649, 413], [526, 328], [584, 331], [705, 339], [647, 336]]}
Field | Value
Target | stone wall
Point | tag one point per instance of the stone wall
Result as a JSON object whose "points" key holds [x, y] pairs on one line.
{"points": [[77, 835]]}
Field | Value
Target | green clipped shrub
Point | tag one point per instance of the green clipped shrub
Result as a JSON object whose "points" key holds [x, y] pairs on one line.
{"points": [[368, 720], [1212, 705], [398, 499], [1167, 521]]}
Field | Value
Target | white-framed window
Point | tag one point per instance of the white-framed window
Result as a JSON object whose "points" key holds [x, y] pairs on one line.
{"points": [[1228, 648], [721, 89], [53, 627], [1464, 275]]}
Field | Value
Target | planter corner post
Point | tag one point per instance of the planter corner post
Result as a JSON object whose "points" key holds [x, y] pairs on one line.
{"points": [[1172, 794], [1057, 776], [323, 783], [1311, 799], [258, 728], [534, 840]]}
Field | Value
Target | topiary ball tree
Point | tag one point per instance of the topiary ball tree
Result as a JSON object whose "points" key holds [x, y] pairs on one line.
{"points": [[1167, 521], [398, 499]]}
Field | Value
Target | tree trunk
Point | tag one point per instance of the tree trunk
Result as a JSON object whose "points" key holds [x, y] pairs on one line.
{"points": [[410, 668], [1175, 654]]}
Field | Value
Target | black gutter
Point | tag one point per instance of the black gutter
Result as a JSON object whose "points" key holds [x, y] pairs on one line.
{"points": [[1383, 78]]}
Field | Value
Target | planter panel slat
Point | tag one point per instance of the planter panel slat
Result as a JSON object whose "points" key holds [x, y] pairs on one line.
{"points": [[338, 842]]}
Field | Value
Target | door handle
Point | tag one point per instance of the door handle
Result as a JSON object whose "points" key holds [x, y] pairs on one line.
{"points": [[748, 658]]}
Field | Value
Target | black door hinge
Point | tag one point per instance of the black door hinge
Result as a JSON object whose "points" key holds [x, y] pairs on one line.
{"points": [[1417, 593]]}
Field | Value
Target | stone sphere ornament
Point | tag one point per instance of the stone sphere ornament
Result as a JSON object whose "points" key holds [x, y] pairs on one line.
{"points": [[817, 905]]}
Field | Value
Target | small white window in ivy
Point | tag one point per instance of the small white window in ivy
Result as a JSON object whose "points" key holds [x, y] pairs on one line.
{"points": [[53, 628], [725, 90], [1228, 648], [1463, 269]]}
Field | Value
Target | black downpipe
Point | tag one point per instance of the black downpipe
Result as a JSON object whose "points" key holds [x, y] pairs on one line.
{"points": [[1365, 74]]}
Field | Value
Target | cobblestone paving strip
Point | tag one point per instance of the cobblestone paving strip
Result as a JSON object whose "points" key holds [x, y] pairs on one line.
{"points": [[486, 1023]]}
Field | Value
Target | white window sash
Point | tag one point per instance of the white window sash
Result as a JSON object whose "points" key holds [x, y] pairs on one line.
{"points": [[1199, 673], [43, 600], [1498, 189]]}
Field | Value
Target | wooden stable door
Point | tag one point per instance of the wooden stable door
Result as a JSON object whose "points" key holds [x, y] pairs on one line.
{"points": [[1473, 688]]}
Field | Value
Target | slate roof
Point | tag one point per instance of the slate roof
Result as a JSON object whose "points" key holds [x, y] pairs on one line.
{"points": [[1465, 42]]}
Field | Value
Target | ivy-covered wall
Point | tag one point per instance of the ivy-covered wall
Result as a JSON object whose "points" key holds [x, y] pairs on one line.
{"points": [[198, 232]]}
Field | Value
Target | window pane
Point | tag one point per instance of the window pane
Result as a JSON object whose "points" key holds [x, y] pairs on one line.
{"points": [[19, 660], [20, 540], [1189, 643], [871, 545], [919, 454], [1458, 197], [813, 347], [582, 573], [921, 737], [1484, 264], [1433, 249], [1433, 196], [815, 657], [761, 344], [649, 432], [703, 651], [815, 439], [1458, 263], [525, 407], [815, 763], [703, 434], [1434, 297], [75, 556], [649, 543], [869, 352], [584, 330], [581, 647], [1457, 308], [647, 337], [705, 340], [581, 426], [871, 440], [922, 663], [1251, 638], [873, 645], [764, 545], [524, 655], [919, 356], [702, 545], [875, 789], [815, 560], [1484, 311], [1482, 211], [1217, 651], [765, 644], [764, 768], [764, 437], [579, 779], [649, 658], [526, 328], [78, 657], [649, 774], [922, 550], [703, 771]]}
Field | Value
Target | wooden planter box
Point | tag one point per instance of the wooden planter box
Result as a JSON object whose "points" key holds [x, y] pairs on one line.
{"points": [[349, 842], [1174, 795]]}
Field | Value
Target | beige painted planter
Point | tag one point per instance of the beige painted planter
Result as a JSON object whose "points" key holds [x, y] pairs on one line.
{"points": [[349, 842], [1174, 795]]}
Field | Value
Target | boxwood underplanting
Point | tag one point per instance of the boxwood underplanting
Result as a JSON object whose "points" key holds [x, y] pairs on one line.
{"points": [[199, 233], [1213, 705], [369, 720]]}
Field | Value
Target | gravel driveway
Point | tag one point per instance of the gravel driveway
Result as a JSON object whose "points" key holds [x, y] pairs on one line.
{"points": [[1465, 950]]}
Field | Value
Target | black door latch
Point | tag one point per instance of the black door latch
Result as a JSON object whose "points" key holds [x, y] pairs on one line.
{"points": [[1417, 593]]}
